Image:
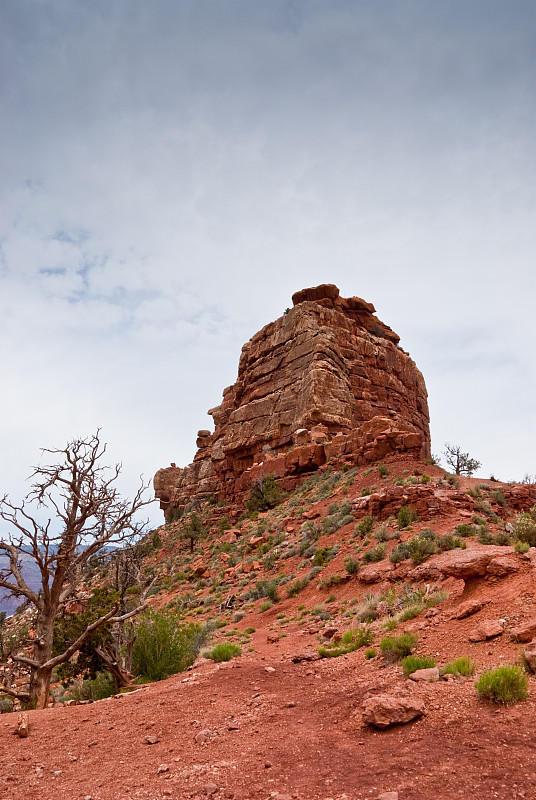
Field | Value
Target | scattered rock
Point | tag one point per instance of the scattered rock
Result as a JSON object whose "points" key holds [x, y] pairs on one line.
{"points": [[383, 710], [487, 629], [272, 637], [329, 633], [430, 675], [209, 789], [469, 608], [374, 573], [199, 570], [162, 769], [530, 655], [205, 736], [151, 740], [524, 632], [297, 658], [502, 565], [388, 796], [201, 662], [269, 669]]}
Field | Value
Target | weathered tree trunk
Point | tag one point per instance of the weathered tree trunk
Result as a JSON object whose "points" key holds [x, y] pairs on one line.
{"points": [[23, 725], [122, 677], [39, 687], [41, 675]]}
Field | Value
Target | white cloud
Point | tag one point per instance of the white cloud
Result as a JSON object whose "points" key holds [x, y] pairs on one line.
{"points": [[177, 171]]}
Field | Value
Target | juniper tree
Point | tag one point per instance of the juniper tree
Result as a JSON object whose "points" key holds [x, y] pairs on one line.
{"points": [[461, 463], [72, 512]]}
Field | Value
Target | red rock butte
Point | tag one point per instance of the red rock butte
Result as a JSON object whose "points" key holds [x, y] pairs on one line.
{"points": [[325, 383]]}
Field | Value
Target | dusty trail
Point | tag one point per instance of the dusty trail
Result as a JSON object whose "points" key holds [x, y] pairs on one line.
{"points": [[250, 728]]}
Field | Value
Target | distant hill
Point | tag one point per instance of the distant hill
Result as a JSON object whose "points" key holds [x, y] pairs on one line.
{"points": [[31, 575]]}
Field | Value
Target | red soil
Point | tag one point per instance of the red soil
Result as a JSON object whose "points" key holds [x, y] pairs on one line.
{"points": [[279, 729]]}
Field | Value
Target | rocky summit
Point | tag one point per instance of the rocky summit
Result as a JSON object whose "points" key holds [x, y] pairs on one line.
{"points": [[327, 382]]}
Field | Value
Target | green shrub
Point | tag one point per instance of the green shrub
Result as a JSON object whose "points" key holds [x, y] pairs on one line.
{"points": [[370, 653], [265, 606], [322, 556], [525, 527], [406, 516], [6, 704], [383, 470], [165, 646], [466, 530], [376, 554], [464, 666], [269, 561], [97, 688], [411, 664], [522, 547], [400, 553], [421, 547], [382, 534], [224, 652], [332, 580], [264, 494], [351, 640], [503, 685], [365, 525], [367, 610], [352, 565], [264, 588], [411, 612], [295, 588], [485, 537], [498, 496], [396, 647], [449, 542]]}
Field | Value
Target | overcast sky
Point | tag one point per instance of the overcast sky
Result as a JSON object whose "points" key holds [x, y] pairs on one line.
{"points": [[172, 171]]}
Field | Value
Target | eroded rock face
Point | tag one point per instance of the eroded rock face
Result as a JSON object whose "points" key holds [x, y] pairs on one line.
{"points": [[326, 381]]}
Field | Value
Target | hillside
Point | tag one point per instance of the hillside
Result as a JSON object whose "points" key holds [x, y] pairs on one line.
{"points": [[279, 719], [314, 533]]}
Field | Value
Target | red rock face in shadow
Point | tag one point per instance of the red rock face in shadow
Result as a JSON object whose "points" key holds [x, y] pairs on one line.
{"points": [[327, 381]]}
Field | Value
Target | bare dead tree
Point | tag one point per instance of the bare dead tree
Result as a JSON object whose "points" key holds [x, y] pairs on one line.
{"points": [[72, 512]]}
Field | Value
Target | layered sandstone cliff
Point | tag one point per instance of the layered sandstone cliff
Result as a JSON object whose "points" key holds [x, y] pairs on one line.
{"points": [[327, 381]]}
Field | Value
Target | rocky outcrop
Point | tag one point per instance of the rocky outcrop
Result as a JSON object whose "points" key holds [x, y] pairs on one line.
{"points": [[327, 381]]}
